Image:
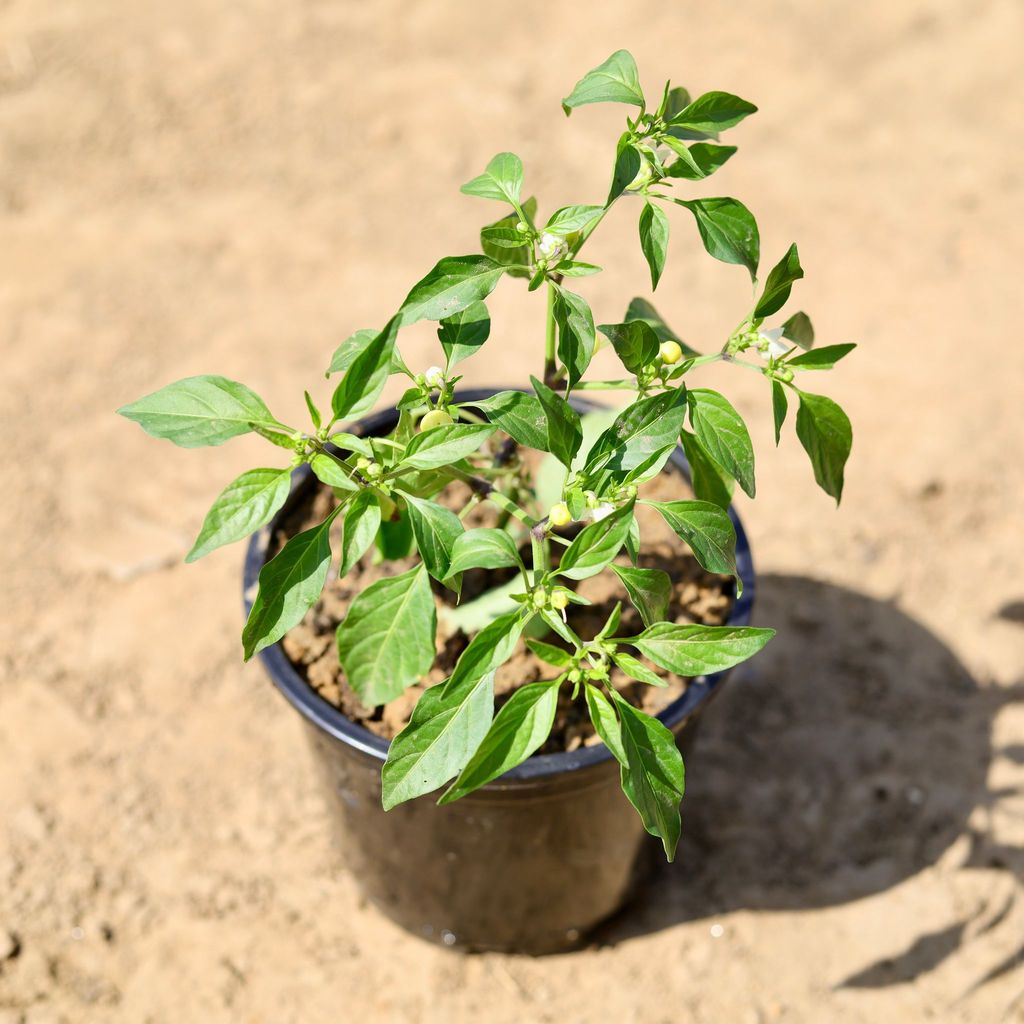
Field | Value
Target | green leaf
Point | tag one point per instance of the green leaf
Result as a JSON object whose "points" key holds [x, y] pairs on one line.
{"points": [[779, 283], [351, 443], [507, 246], [347, 351], [709, 481], [636, 669], [713, 112], [519, 728], [504, 235], [352, 346], [569, 219], [314, 412], [643, 429], [483, 548], [436, 530], [394, 537], [825, 432], [518, 414], [246, 504], [386, 642], [489, 649], [360, 526], [675, 99], [441, 446], [366, 375], [565, 435], [289, 586], [605, 721], [728, 230], [648, 589], [635, 343], [596, 545], [780, 406], [573, 268], [575, 333], [627, 165], [502, 180], [327, 471], [798, 328], [706, 528], [615, 81], [641, 309], [440, 738], [549, 653], [454, 284], [654, 240], [653, 777], [463, 334], [697, 161], [823, 358], [723, 435], [692, 650], [201, 411]]}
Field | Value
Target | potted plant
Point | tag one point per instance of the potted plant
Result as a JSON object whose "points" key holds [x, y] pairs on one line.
{"points": [[518, 549]]}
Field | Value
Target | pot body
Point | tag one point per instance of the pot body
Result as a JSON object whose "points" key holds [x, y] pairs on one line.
{"points": [[528, 863]]}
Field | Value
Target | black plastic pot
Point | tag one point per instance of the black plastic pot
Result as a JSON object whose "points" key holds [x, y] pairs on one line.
{"points": [[530, 862]]}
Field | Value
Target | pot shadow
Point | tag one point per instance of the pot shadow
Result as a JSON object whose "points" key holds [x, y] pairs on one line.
{"points": [[847, 757]]}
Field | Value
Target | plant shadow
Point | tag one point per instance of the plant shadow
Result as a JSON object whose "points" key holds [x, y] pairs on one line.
{"points": [[846, 758]]}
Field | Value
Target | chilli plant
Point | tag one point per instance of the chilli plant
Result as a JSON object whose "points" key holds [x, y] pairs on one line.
{"points": [[387, 486]]}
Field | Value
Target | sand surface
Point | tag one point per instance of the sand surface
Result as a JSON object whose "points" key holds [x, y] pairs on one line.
{"points": [[233, 188]]}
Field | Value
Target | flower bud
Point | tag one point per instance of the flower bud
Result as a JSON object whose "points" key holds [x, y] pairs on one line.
{"points": [[670, 352], [552, 248], [522, 227], [592, 499], [373, 470], [539, 599], [435, 418], [559, 515], [433, 377]]}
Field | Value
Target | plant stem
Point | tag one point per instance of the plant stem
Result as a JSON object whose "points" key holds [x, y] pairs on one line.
{"points": [[550, 366], [606, 385], [486, 490], [540, 558]]}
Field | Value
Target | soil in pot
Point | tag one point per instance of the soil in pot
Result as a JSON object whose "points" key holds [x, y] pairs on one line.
{"points": [[697, 596]]}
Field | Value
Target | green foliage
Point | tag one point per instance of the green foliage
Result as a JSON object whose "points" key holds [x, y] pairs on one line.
{"points": [[569, 502], [502, 180], [462, 335], [723, 435], [246, 504], [652, 776], [654, 240], [200, 411], [289, 585], [614, 81], [728, 230], [386, 641], [706, 528], [827, 436]]}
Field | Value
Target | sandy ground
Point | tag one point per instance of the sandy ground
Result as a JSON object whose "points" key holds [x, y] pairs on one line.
{"points": [[233, 188]]}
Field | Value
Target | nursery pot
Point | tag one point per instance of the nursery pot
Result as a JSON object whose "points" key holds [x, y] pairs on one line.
{"points": [[528, 863]]}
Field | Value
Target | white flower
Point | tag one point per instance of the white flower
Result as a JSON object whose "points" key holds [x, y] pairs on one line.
{"points": [[602, 511], [552, 247], [770, 343], [434, 377]]}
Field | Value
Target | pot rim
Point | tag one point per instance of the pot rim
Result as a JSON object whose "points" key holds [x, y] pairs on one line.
{"points": [[331, 720]]}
